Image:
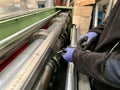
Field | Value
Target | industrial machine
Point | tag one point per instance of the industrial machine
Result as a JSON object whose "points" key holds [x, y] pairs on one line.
{"points": [[31, 44]]}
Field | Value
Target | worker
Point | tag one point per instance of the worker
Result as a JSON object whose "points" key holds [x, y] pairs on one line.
{"points": [[103, 63]]}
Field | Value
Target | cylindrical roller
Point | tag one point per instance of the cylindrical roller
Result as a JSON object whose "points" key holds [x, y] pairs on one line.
{"points": [[52, 65], [25, 78], [71, 75], [42, 34], [9, 72]]}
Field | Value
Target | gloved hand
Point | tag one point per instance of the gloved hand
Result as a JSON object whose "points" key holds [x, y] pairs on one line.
{"points": [[68, 55], [86, 40]]}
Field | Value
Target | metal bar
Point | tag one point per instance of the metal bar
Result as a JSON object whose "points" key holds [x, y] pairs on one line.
{"points": [[73, 82], [44, 80], [109, 8], [23, 78], [74, 37], [96, 14], [70, 79], [10, 71]]}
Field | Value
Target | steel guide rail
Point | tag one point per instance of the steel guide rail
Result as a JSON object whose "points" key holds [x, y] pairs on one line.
{"points": [[74, 80]]}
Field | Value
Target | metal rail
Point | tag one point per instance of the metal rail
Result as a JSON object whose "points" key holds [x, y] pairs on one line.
{"points": [[74, 80], [35, 63], [96, 14], [70, 78]]}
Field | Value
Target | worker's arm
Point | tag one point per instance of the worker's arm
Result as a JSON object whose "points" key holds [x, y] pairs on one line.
{"points": [[100, 66]]}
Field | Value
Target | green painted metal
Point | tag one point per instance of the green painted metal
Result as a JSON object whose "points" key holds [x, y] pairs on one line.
{"points": [[13, 25], [64, 7]]}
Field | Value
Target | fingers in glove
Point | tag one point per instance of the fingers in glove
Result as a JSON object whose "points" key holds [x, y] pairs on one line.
{"points": [[91, 43], [82, 40], [84, 46]]}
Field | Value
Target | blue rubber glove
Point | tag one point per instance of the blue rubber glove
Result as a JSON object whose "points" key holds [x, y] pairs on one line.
{"points": [[68, 55], [86, 40]]}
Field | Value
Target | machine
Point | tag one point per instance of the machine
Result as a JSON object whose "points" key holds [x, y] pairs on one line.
{"points": [[31, 44]]}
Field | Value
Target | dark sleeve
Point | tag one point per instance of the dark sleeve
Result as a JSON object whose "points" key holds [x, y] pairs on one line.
{"points": [[100, 66]]}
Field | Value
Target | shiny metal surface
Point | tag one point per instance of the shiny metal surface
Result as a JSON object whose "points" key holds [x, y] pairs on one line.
{"points": [[44, 81], [74, 37], [10, 71], [53, 64], [70, 78], [96, 14], [22, 79], [75, 81]]}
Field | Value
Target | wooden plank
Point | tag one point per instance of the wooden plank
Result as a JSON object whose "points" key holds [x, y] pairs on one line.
{"points": [[82, 10], [83, 22], [82, 14], [83, 31], [84, 2]]}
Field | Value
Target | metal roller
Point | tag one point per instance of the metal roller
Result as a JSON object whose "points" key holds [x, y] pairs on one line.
{"points": [[42, 34], [75, 80], [71, 81], [8, 44], [10, 71], [28, 73]]}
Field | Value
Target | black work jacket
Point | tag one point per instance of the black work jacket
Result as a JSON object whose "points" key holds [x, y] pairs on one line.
{"points": [[101, 64]]}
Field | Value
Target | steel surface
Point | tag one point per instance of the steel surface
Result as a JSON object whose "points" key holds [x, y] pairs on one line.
{"points": [[8, 73], [23, 78]]}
